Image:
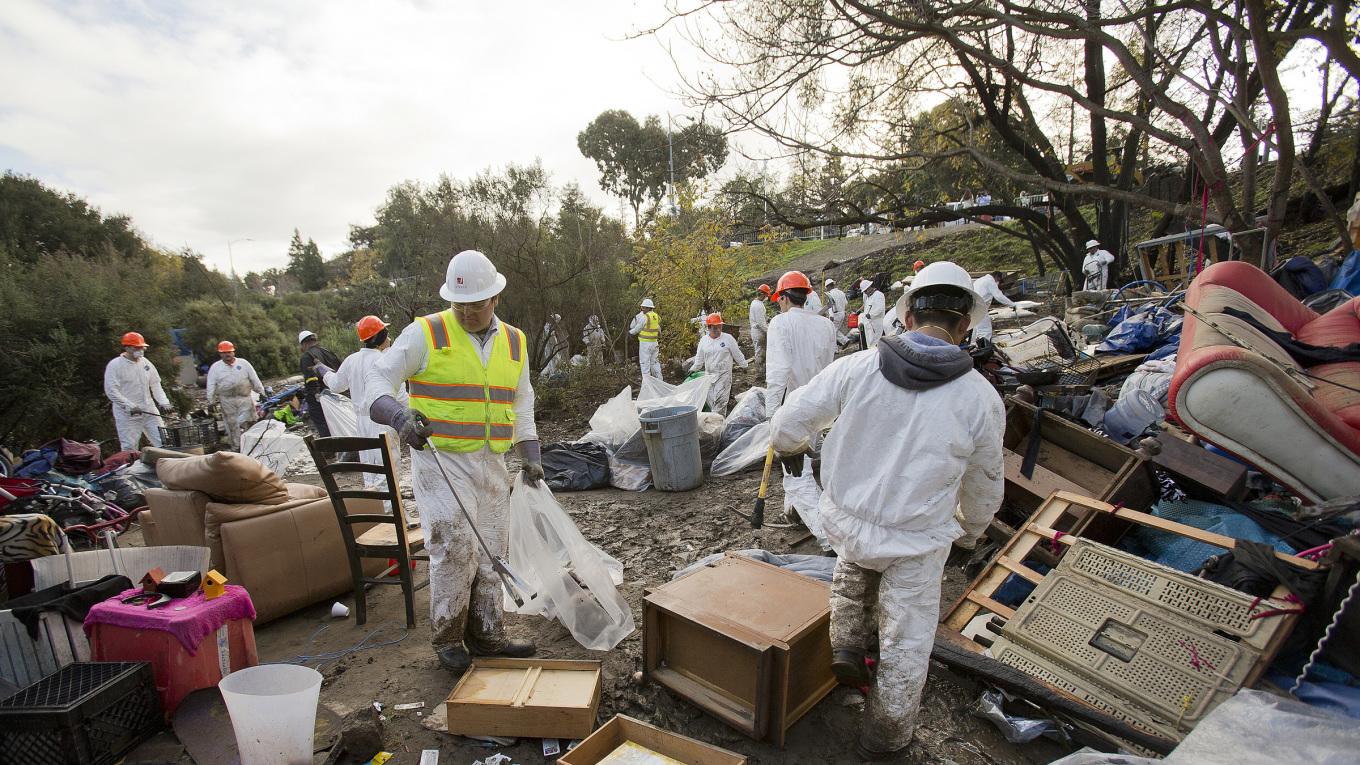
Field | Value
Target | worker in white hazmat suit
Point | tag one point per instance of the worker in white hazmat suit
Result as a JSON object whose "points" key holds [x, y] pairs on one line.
{"points": [[934, 477], [133, 386], [801, 344], [555, 346], [592, 337], [231, 380], [352, 377], [871, 318], [1095, 267], [814, 304], [759, 322], [716, 354], [647, 326], [467, 373], [988, 288], [836, 303]]}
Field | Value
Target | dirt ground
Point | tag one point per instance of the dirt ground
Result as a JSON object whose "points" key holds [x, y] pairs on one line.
{"points": [[654, 534]]}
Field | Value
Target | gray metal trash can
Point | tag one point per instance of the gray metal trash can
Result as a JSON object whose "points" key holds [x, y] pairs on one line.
{"points": [[671, 434]]}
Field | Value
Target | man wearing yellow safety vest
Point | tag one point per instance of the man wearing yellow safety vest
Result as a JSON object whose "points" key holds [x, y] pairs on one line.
{"points": [[467, 374], [647, 326]]}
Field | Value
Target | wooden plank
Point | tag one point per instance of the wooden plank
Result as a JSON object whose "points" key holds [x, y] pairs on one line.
{"points": [[988, 604], [621, 729], [1025, 572], [1200, 468], [1042, 482], [717, 704]]}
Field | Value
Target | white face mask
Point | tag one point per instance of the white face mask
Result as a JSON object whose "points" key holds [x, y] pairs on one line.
{"points": [[137, 353]]}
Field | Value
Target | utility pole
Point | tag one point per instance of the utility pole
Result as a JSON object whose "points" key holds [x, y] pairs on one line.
{"points": [[231, 261], [670, 158]]}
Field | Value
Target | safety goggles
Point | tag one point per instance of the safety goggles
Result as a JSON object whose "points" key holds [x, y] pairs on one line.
{"points": [[469, 308]]}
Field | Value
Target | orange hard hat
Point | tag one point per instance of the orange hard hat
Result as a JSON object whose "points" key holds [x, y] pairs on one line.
{"points": [[226, 347], [793, 280], [764, 289], [134, 340], [714, 319], [369, 326], [918, 265]]}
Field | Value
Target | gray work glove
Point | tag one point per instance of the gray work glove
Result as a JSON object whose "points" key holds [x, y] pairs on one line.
{"points": [[321, 370], [413, 428], [166, 410], [532, 470]]}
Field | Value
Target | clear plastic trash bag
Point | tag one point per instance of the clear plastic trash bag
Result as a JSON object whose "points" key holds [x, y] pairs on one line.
{"points": [[743, 453], [270, 442], [339, 413], [573, 580]]}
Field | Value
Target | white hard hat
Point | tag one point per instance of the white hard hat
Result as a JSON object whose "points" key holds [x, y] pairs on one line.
{"points": [[829, 282], [647, 303], [304, 334], [943, 273], [471, 277], [865, 284], [1092, 243]]}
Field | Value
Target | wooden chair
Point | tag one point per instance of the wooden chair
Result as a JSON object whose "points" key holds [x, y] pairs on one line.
{"points": [[389, 538]]}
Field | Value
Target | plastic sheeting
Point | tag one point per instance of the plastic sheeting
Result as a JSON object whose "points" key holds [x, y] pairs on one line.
{"points": [[747, 451], [711, 425], [573, 580], [802, 499], [629, 475], [1253, 728], [1151, 328], [575, 467], [748, 412], [615, 421], [819, 567], [339, 414], [1185, 554], [270, 442], [1153, 376], [1017, 730]]}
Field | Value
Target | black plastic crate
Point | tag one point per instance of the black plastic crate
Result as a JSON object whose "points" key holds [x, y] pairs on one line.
{"points": [[185, 435], [89, 713]]}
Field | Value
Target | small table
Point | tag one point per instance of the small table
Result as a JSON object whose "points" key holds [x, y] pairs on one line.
{"points": [[191, 643]]}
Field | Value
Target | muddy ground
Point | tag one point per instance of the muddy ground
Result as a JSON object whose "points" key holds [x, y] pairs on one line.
{"points": [[654, 534]]}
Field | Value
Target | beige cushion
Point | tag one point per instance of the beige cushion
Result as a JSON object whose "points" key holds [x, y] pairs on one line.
{"points": [[225, 477]]}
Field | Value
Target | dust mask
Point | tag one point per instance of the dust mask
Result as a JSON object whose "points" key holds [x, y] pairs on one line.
{"points": [[137, 353]]}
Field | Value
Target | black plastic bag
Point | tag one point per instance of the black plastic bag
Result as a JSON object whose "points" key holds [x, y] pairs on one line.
{"points": [[575, 467]]}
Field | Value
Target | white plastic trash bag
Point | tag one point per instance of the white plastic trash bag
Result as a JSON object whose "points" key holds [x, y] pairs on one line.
{"points": [[655, 394], [571, 578], [744, 452], [270, 442], [802, 498], [339, 414], [615, 421]]}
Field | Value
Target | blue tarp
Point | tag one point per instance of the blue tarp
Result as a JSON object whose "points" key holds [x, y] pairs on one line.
{"points": [[1148, 329], [1348, 276], [1186, 554]]}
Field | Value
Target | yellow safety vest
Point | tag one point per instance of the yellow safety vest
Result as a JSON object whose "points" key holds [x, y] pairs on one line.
{"points": [[652, 330], [469, 405]]}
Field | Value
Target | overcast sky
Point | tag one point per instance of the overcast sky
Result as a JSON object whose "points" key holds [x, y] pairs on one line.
{"points": [[210, 122]]}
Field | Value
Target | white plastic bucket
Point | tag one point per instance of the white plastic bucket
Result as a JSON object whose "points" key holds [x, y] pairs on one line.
{"points": [[273, 711]]}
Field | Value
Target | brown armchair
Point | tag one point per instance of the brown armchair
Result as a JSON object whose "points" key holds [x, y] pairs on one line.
{"points": [[279, 541]]}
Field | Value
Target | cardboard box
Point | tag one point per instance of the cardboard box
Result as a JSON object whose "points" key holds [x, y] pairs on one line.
{"points": [[530, 698], [600, 745], [747, 642]]}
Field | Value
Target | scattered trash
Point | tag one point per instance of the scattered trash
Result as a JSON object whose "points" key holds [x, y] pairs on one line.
{"points": [[406, 707], [1017, 730], [339, 611], [575, 467]]}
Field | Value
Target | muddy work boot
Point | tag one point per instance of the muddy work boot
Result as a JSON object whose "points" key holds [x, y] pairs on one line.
{"points": [[454, 658], [515, 649], [848, 665]]}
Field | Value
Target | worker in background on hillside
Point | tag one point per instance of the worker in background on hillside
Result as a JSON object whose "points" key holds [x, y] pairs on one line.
{"points": [[468, 377], [889, 512], [314, 353], [988, 288], [593, 338], [352, 377], [715, 355], [230, 382], [647, 326], [1095, 267], [871, 318], [759, 322], [836, 303], [917, 266], [814, 304], [133, 386], [801, 343], [555, 345]]}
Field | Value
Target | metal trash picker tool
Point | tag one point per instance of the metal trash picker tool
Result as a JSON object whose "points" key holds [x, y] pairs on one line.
{"points": [[513, 584]]}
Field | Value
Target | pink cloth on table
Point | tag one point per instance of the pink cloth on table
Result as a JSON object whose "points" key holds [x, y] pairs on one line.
{"points": [[198, 619]]}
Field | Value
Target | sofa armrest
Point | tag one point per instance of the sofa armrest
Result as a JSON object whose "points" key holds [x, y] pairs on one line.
{"points": [[179, 517]]}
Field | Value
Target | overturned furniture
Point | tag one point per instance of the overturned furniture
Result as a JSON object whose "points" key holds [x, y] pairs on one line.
{"points": [[534, 698], [1147, 647], [745, 641], [1239, 389]]}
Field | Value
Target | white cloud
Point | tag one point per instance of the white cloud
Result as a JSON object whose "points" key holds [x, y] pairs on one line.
{"points": [[208, 122]]}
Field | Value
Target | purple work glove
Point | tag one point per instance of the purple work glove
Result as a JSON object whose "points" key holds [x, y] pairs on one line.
{"points": [[413, 428], [321, 370], [531, 472]]}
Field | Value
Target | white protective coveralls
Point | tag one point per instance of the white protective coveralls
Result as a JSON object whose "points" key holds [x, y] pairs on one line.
{"points": [[649, 354], [987, 288], [555, 347], [757, 318], [715, 355], [593, 339], [836, 303], [352, 376], [134, 388], [814, 304], [461, 576], [801, 344], [1095, 269], [230, 387], [871, 320], [889, 511]]}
